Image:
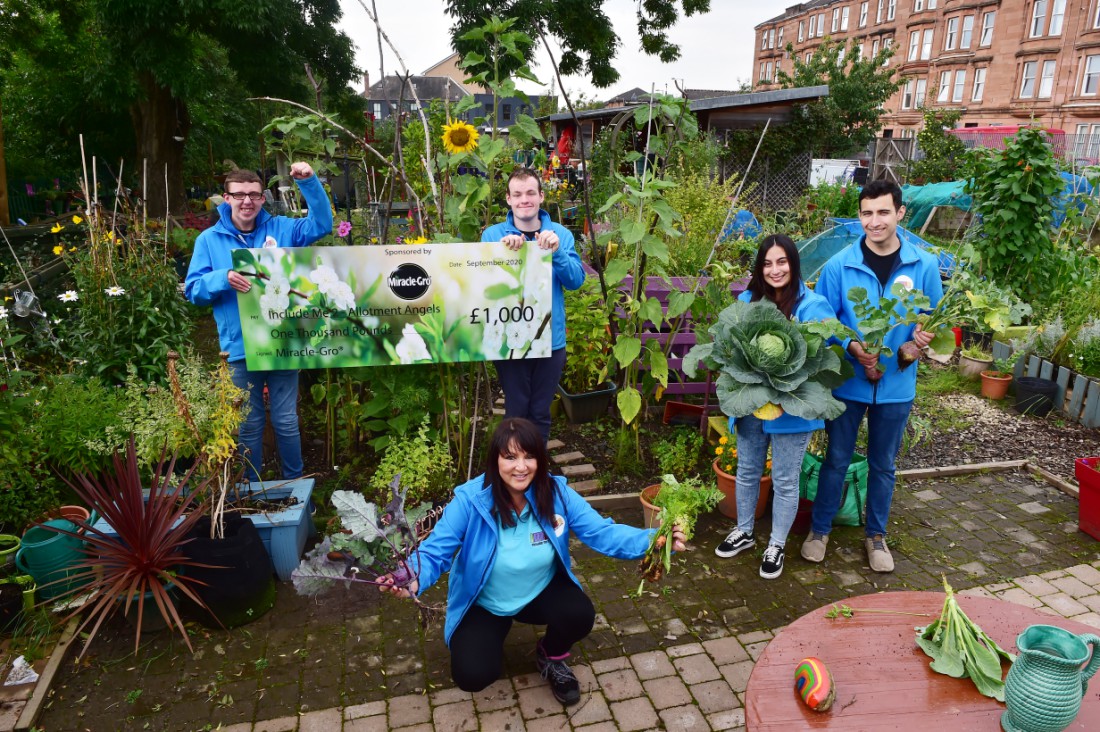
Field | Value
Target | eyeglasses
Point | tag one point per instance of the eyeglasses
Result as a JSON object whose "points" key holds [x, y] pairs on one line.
{"points": [[254, 197]]}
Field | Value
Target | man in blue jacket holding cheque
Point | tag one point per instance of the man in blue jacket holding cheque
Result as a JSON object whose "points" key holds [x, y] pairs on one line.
{"points": [[211, 280], [882, 257], [529, 383]]}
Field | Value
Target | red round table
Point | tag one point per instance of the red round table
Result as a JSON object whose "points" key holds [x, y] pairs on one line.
{"points": [[882, 678]]}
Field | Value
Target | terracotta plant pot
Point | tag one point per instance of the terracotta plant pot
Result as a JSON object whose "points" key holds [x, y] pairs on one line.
{"points": [[649, 511], [728, 485], [995, 384]]}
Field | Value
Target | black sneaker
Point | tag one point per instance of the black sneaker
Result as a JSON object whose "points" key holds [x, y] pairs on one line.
{"points": [[735, 542], [562, 681], [772, 564]]}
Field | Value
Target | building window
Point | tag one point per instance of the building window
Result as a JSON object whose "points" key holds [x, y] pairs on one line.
{"points": [[1027, 82], [889, 42], [926, 47], [506, 113], [378, 110], [801, 31], [967, 32], [859, 52], [1038, 18], [874, 48], [763, 40], [914, 45], [907, 95], [836, 19], [987, 28], [779, 38], [840, 56], [863, 14], [918, 96], [960, 82], [1091, 80], [762, 67], [944, 92], [1096, 18], [775, 76], [844, 18], [918, 6], [809, 55], [821, 25], [1057, 13], [952, 33], [878, 14], [979, 85], [891, 9], [1046, 80], [813, 25], [771, 71]]}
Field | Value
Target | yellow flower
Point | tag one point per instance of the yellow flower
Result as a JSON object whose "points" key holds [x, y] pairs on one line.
{"points": [[723, 440], [58, 250], [719, 450], [72, 249], [459, 137], [77, 219], [417, 240], [56, 228]]}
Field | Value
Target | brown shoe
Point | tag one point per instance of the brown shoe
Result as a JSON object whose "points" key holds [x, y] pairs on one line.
{"points": [[878, 554], [813, 549]]}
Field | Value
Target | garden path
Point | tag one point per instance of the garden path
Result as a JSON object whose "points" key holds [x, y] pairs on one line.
{"points": [[677, 658]]}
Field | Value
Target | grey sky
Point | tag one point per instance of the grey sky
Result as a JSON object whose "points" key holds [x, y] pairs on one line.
{"points": [[716, 48]]}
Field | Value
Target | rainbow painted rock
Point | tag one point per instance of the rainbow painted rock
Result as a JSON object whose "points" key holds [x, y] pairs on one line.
{"points": [[814, 684]]}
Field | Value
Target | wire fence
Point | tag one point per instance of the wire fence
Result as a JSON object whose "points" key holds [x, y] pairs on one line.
{"points": [[770, 186]]}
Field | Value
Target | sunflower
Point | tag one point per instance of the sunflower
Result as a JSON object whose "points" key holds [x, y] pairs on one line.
{"points": [[459, 137]]}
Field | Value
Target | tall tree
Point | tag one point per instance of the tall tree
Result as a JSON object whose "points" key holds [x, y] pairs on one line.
{"points": [[587, 38], [848, 119], [153, 60]]}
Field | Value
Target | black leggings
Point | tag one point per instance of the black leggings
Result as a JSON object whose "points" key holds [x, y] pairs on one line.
{"points": [[477, 645]]}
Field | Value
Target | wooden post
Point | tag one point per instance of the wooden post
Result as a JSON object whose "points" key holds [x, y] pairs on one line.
{"points": [[5, 219]]}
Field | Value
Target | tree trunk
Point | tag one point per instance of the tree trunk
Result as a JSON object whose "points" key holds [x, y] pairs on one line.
{"points": [[5, 220], [161, 124]]}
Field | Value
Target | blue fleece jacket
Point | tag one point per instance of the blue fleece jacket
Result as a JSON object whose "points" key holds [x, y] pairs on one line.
{"points": [[915, 267], [207, 280], [464, 542], [566, 269], [810, 307]]}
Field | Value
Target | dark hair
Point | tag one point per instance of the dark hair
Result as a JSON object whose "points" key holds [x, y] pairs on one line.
{"points": [[882, 187], [527, 437], [787, 298], [242, 176], [522, 174]]}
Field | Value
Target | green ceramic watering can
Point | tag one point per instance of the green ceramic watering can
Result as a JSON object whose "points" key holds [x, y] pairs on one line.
{"points": [[1045, 685]]}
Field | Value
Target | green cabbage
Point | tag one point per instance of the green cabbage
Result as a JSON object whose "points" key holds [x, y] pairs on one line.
{"points": [[762, 357]]}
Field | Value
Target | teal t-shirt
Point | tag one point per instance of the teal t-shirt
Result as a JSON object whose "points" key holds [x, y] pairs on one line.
{"points": [[523, 567]]}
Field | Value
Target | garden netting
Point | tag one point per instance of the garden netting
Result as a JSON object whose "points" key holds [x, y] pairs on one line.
{"points": [[920, 200], [816, 251]]}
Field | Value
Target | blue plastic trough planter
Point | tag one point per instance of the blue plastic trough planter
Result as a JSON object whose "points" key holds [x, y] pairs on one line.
{"points": [[284, 532]]}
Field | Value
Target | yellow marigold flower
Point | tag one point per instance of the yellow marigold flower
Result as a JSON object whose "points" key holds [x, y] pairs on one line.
{"points": [[417, 240], [723, 440], [56, 228], [459, 137], [719, 450], [77, 219], [58, 250]]}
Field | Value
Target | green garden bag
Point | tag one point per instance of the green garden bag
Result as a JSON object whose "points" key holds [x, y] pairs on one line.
{"points": [[853, 497]]}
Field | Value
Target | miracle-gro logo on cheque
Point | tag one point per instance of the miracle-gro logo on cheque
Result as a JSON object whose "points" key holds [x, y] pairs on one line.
{"points": [[409, 281]]}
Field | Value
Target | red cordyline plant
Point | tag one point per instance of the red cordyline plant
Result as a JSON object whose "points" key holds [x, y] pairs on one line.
{"points": [[146, 554]]}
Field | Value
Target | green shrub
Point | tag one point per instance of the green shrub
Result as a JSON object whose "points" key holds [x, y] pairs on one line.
{"points": [[587, 342], [679, 455], [27, 489], [72, 420], [425, 466]]}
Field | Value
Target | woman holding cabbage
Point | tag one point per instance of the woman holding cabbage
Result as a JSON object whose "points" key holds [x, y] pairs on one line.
{"points": [[776, 278]]}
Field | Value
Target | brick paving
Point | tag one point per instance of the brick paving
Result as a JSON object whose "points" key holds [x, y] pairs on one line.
{"points": [[677, 658]]}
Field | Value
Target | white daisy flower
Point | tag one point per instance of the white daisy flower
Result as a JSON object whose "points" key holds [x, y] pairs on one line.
{"points": [[115, 291], [3, 313], [68, 296], [412, 347]]}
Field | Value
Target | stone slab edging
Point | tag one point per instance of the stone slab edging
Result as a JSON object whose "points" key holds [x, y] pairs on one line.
{"points": [[626, 500], [42, 688]]}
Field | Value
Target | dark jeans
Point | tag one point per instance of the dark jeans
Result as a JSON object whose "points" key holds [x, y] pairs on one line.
{"points": [[885, 429], [477, 645], [282, 392], [529, 386]]}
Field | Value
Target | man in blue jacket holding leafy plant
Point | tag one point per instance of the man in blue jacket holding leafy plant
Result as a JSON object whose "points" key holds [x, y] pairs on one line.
{"points": [[883, 257], [211, 280]]}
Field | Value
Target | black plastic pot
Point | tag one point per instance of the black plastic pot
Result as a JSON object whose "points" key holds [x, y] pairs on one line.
{"points": [[240, 581], [589, 406], [1035, 396]]}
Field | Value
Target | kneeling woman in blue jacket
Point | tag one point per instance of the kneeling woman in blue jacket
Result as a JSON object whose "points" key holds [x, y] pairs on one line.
{"points": [[505, 540], [776, 276]]}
